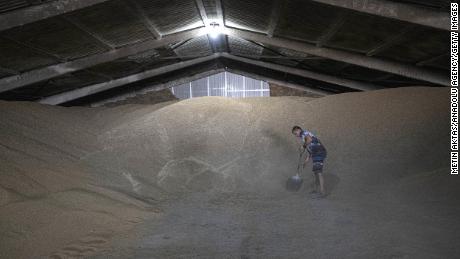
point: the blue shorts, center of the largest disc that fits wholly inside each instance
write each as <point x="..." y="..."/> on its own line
<point x="318" y="155"/>
<point x="318" y="166"/>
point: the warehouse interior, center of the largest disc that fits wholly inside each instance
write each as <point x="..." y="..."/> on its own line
<point x="162" y="129"/>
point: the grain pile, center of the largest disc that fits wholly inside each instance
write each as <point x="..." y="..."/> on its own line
<point x="205" y="178"/>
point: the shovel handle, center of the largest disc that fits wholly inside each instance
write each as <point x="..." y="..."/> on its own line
<point x="300" y="160"/>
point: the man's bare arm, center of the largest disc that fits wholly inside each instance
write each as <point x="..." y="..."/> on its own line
<point x="308" y="140"/>
<point x="307" y="158"/>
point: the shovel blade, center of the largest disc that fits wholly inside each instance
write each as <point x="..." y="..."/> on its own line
<point x="294" y="183"/>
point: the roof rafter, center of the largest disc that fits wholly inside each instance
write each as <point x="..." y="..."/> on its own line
<point x="307" y="74"/>
<point x="431" y="60"/>
<point x="37" y="75"/>
<point x="393" y="67"/>
<point x="42" y="11"/>
<point x="280" y="83"/>
<point x="255" y="57"/>
<point x="275" y="16"/>
<point x="158" y="87"/>
<point x="202" y="11"/>
<point x="201" y="75"/>
<point x="92" y="89"/>
<point x="220" y="16"/>
<point x="205" y="20"/>
<point x="399" y="11"/>
<point x="220" y="13"/>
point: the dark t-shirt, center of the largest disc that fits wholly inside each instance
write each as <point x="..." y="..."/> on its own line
<point x="315" y="148"/>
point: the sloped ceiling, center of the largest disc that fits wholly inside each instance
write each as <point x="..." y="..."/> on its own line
<point x="111" y="25"/>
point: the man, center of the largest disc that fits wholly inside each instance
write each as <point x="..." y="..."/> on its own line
<point x="316" y="152"/>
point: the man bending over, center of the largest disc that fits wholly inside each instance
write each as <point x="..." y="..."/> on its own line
<point x="316" y="152"/>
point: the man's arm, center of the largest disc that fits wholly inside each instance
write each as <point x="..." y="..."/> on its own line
<point x="307" y="158"/>
<point x="308" y="140"/>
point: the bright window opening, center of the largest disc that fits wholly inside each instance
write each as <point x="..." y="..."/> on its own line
<point x="223" y="84"/>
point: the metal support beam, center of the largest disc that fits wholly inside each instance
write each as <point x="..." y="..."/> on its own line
<point x="157" y="87"/>
<point x="275" y="17"/>
<point x="394" y="10"/>
<point x="206" y="22"/>
<point x="307" y="74"/>
<point x="220" y="13"/>
<point x="280" y="83"/>
<point x="202" y="11"/>
<point x="227" y="45"/>
<point x="92" y="89"/>
<point x="345" y="56"/>
<point x="431" y="60"/>
<point x="221" y="20"/>
<point x="332" y="30"/>
<point x="12" y="82"/>
<point x="42" y="11"/>
<point x="389" y="42"/>
<point x="254" y="57"/>
<point x="211" y="44"/>
<point x="300" y="63"/>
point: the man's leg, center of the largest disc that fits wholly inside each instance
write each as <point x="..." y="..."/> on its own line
<point x="318" y="171"/>
<point x="316" y="188"/>
<point x="319" y="175"/>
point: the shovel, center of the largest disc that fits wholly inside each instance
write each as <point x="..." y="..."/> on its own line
<point x="295" y="182"/>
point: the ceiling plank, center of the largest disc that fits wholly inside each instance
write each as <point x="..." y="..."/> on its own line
<point x="388" y="66"/>
<point x="39" y="12"/>
<point x="37" y="75"/>
<point x="92" y="89"/>
<point x="399" y="11"/>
